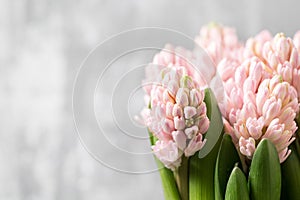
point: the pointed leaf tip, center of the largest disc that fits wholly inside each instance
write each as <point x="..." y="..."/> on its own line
<point x="265" y="174"/>
<point x="237" y="186"/>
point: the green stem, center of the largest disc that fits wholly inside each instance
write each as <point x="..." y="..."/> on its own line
<point x="297" y="143"/>
<point x="168" y="182"/>
<point x="243" y="159"/>
<point x="182" y="178"/>
<point x="167" y="177"/>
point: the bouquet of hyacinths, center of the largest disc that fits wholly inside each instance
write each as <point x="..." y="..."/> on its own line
<point x="251" y="133"/>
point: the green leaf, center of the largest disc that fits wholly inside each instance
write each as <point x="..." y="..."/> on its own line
<point x="227" y="158"/>
<point x="216" y="123"/>
<point x="265" y="173"/>
<point x="201" y="175"/>
<point x="290" y="172"/>
<point x="202" y="166"/>
<point x="167" y="177"/>
<point x="237" y="186"/>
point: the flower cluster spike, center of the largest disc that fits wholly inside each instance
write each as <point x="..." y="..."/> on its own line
<point x="177" y="116"/>
<point x="262" y="86"/>
<point x="269" y="113"/>
<point x="219" y="42"/>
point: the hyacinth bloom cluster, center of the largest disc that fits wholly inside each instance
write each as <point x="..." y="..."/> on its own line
<point x="172" y="56"/>
<point x="267" y="113"/>
<point x="220" y="42"/>
<point x="177" y="117"/>
<point x="262" y="87"/>
<point x="280" y="56"/>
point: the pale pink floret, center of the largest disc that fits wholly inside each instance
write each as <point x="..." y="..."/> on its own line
<point x="247" y="146"/>
<point x="177" y="117"/>
<point x="255" y="126"/>
<point x="194" y="145"/>
<point x="254" y="45"/>
<point x="180" y="139"/>
<point x="168" y="153"/>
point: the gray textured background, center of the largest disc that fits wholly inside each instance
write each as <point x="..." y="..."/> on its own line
<point x="42" y="44"/>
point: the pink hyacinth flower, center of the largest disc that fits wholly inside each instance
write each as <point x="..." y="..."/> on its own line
<point x="261" y="86"/>
<point x="268" y="111"/>
<point x="220" y="42"/>
<point x="261" y="101"/>
<point x="280" y="55"/>
<point x="177" y="117"/>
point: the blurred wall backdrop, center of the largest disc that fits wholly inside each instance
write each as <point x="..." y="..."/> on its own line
<point x="42" y="44"/>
